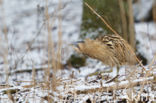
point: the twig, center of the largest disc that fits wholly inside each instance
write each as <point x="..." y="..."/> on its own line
<point x="118" y="87"/>
<point x="101" y="19"/>
<point x="25" y="70"/>
<point x="104" y="21"/>
<point x="112" y="79"/>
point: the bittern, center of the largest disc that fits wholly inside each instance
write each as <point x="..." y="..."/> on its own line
<point x="112" y="50"/>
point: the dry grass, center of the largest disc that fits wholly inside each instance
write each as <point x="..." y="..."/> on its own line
<point x="54" y="58"/>
<point x="5" y="51"/>
<point x="123" y="20"/>
<point x="131" y="84"/>
<point x="154" y="12"/>
<point x="131" y="24"/>
<point x="51" y="81"/>
<point x="111" y="29"/>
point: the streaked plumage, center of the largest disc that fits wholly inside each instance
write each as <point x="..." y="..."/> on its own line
<point x="112" y="50"/>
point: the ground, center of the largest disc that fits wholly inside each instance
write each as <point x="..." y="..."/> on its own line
<point x="23" y="77"/>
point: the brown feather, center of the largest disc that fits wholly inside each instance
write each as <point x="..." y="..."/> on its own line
<point x="112" y="50"/>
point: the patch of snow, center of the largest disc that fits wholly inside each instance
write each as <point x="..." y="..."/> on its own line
<point x="145" y="34"/>
<point x="142" y="8"/>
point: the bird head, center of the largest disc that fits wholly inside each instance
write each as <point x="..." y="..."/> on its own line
<point x="78" y="45"/>
<point x="87" y="46"/>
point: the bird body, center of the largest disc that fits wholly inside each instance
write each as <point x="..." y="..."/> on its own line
<point x="112" y="50"/>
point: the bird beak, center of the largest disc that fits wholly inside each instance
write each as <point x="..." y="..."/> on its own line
<point x="76" y="43"/>
<point x="76" y="46"/>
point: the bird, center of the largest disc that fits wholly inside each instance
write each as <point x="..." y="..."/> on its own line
<point x="112" y="50"/>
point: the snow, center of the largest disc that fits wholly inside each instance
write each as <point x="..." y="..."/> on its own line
<point x="27" y="47"/>
<point x="142" y="8"/>
<point x="25" y="24"/>
<point x="145" y="34"/>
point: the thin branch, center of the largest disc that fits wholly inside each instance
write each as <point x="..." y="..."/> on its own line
<point x="101" y="19"/>
<point x="104" y="21"/>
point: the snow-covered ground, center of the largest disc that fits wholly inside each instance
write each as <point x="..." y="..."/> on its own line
<point x="26" y="48"/>
<point x="27" y="37"/>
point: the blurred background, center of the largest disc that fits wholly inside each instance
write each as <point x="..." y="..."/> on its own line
<point x="35" y="35"/>
<point x="31" y="32"/>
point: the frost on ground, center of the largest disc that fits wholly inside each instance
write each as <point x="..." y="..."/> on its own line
<point x="23" y="79"/>
<point x="78" y="86"/>
<point x="26" y="43"/>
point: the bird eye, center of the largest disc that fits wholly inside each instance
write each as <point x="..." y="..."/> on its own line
<point x="109" y="44"/>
